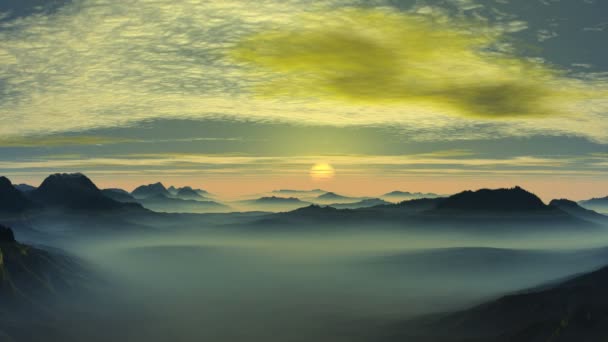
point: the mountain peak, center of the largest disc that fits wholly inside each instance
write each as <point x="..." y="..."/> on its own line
<point x="75" y="181"/>
<point x="6" y="234"/>
<point x="11" y="199"/>
<point x="72" y="191"/>
<point x="513" y="199"/>
<point x="331" y="195"/>
<point x="150" y="190"/>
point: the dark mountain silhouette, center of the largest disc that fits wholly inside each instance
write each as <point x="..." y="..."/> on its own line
<point x="500" y="200"/>
<point x="570" y="310"/>
<point x="6" y="235"/>
<point x="574" y="209"/>
<point x="366" y="203"/>
<point x="30" y="281"/>
<point x="150" y="190"/>
<point x="76" y="192"/>
<point x="420" y="205"/>
<point x="486" y="210"/>
<point x="188" y="193"/>
<point x="27" y="272"/>
<point x="25" y="187"/>
<point x="11" y="199"/>
<point x="119" y="195"/>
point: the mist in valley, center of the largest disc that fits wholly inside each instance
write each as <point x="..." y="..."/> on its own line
<point x="206" y="281"/>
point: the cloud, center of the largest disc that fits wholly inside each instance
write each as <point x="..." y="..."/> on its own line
<point x="50" y="141"/>
<point x="112" y="63"/>
<point x="385" y="57"/>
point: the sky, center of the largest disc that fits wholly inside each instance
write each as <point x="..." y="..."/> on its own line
<point x="237" y="96"/>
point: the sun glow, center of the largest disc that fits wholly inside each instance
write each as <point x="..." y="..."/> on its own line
<point x="322" y="171"/>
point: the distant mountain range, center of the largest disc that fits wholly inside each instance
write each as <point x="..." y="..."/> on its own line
<point x="154" y="189"/>
<point x="512" y="208"/>
<point x="119" y="195"/>
<point x="598" y="204"/>
<point x="173" y="200"/>
<point x="291" y="192"/>
<point x="405" y="195"/>
<point x="164" y="203"/>
<point x="175" y="191"/>
<point x="366" y="203"/>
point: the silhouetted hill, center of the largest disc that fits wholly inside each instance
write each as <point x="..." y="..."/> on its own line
<point x="499" y="200"/>
<point x="277" y="200"/>
<point x="574" y="209"/>
<point x="11" y="199"/>
<point x="404" y="195"/>
<point x="150" y="190"/>
<point x="119" y="195"/>
<point x="291" y="192"/>
<point x="332" y="196"/>
<point x="31" y="279"/>
<point x="163" y="203"/>
<point x="76" y="192"/>
<point x="27" y="272"/>
<point x="502" y="210"/>
<point x="572" y="310"/>
<point x="24" y="187"/>
<point x="188" y="193"/>
<point x="174" y="191"/>
<point x="366" y="203"/>
<point x="6" y="235"/>
<point x="599" y="204"/>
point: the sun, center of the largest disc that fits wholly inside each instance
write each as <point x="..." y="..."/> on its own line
<point x="322" y="171"/>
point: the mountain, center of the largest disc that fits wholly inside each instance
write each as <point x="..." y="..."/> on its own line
<point x="332" y="196"/>
<point x="119" y="195"/>
<point x="24" y="187"/>
<point x="598" y="204"/>
<point x="277" y="200"/>
<point x="574" y="209"/>
<point x="292" y="192"/>
<point x="570" y="310"/>
<point x="272" y="203"/>
<point x="31" y="281"/>
<point x="27" y="272"/>
<point x="499" y="200"/>
<point x="164" y="203"/>
<point x="366" y="203"/>
<point x="174" y="191"/>
<point x="188" y="193"/>
<point x="500" y="210"/>
<point x="75" y="192"/>
<point x="405" y="195"/>
<point x="11" y="199"/>
<point x="144" y="191"/>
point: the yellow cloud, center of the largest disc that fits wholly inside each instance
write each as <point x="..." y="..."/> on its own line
<point x="35" y="141"/>
<point x="379" y="56"/>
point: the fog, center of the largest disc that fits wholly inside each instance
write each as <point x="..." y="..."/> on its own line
<point x="208" y="282"/>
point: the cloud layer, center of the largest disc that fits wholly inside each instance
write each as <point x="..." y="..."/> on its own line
<point x="106" y="63"/>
